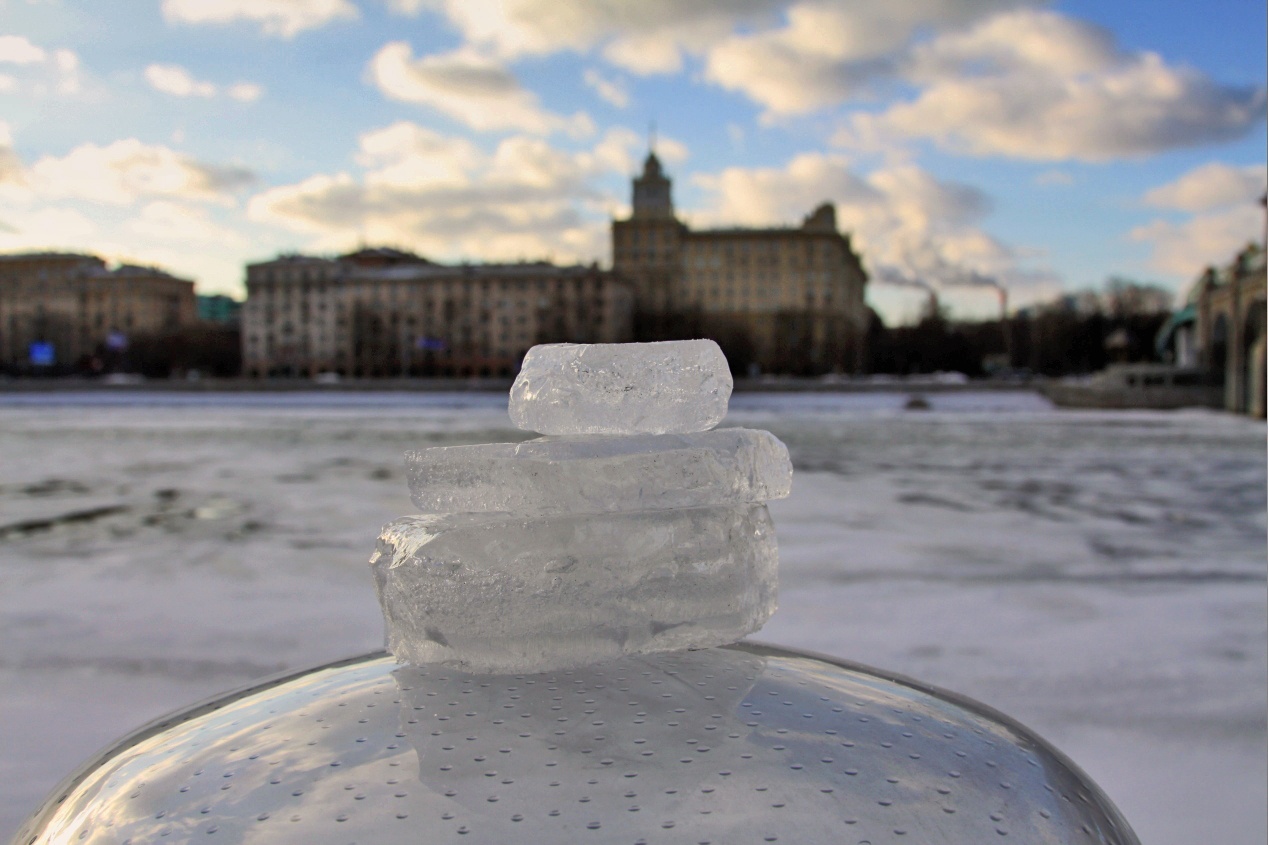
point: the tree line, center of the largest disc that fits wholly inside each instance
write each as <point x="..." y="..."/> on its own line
<point x="1073" y="334"/>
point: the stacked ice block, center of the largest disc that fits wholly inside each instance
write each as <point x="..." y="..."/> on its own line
<point x="631" y="527"/>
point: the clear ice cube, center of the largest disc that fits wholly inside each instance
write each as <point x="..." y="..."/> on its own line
<point x="506" y="594"/>
<point x="596" y="474"/>
<point x="679" y="386"/>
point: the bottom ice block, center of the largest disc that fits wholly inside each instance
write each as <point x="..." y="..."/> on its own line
<point x="500" y="594"/>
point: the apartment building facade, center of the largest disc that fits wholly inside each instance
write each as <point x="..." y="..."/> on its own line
<point x="59" y="311"/>
<point x="387" y="312"/>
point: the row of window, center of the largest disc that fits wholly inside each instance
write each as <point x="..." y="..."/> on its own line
<point x="764" y="278"/>
<point x="267" y="283"/>
<point x="262" y="346"/>
<point x="271" y="313"/>
<point x="423" y="300"/>
<point x="718" y="254"/>
<point x="433" y="323"/>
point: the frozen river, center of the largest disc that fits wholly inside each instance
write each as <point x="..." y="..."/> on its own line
<point x="1099" y="576"/>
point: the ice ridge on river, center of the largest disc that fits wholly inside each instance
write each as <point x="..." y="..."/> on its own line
<point x="629" y="528"/>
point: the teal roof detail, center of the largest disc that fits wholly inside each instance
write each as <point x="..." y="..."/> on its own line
<point x="1186" y="315"/>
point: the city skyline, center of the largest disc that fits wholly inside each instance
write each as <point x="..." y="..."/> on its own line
<point x="1038" y="146"/>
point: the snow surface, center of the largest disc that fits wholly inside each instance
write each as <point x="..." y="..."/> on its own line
<point x="1098" y="576"/>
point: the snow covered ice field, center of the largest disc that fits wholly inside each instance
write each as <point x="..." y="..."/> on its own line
<point x="1099" y="576"/>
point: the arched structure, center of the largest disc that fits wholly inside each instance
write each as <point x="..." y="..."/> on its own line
<point x="1231" y="329"/>
<point x="1252" y="398"/>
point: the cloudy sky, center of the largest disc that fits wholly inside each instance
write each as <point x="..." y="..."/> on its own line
<point x="1041" y="146"/>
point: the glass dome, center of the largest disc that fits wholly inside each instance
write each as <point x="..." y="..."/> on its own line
<point x="744" y="743"/>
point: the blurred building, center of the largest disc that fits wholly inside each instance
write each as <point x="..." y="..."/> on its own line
<point x="787" y="299"/>
<point x="384" y="312"/>
<point x="220" y="309"/>
<point x="1230" y="338"/>
<point x="61" y="311"/>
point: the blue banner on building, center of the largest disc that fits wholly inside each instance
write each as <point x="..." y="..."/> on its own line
<point x="43" y="354"/>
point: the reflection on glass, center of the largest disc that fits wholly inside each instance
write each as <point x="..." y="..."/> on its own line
<point x="738" y="744"/>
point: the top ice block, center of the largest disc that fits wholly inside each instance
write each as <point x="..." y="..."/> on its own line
<point x="672" y="387"/>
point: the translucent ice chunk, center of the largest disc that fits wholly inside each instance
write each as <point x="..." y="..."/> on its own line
<point x="595" y="474"/>
<point x="496" y="594"/>
<point x="676" y="386"/>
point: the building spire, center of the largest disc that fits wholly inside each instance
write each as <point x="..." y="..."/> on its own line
<point x="652" y="188"/>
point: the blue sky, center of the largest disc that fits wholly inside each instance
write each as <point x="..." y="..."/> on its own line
<point x="966" y="143"/>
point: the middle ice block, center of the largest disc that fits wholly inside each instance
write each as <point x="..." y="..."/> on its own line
<point x="599" y="474"/>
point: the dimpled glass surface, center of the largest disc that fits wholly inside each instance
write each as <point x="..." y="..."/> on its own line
<point x="671" y="387"/>
<point x="728" y="746"/>
<point x="595" y="474"/>
<point x="506" y="593"/>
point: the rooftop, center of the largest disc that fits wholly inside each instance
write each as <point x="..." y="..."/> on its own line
<point x="49" y="256"/>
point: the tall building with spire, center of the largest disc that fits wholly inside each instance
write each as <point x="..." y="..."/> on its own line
<point x="647" y="249"/>
<point x="779" y="299"/>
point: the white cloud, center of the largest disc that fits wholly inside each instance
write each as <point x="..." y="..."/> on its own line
<point x="644" y="36"/>
<point x="1037" y="85"/>
<point x="788" y="55"/>
<point x="181" y="223"/>
<point x="47" y="228"/>
<point x="244" y="92"/>
<point x="35" y="70"/>
<point x="1211" y="186"/>
<point x="449" y="199"/>
<point x="992" y="77"/>
<point x="10" y="164"/>
<point x="622" y="150"/>
<point x="770" y="195"/>
<point x="121" y="173"/>
<point x="170" y="235"/>
<point x="609" y="90"/>
<point x="408" y="155"/>
<point x="903" y="200"/>
<point x="131" y="201"/>
<point x="1222" y="214"/>
<point x="67" y="64"/>
<point x="616" y="151"/>
<point x="284" y="18"/>
<point x="177" y="81"/>
<point x="1053" y="177"/>
<point x="471" y="88"/>
<point x="14" y="49"/>
<point x="670" y="150"/>
<point x="658" y="51"/>
<point x="911" y="228"/>
<point x="1185" y="248"/>
<point x="828" y="51"/>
